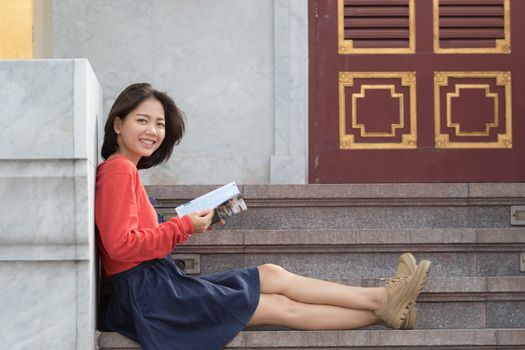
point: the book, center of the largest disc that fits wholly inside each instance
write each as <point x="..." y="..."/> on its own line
<point x="226" y="200"/>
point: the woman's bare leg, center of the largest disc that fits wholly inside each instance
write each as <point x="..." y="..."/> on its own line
<point x="276" y="309"/>
<point x="276" y="280"/>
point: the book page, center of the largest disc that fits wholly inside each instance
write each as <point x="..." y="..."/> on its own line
<point x="210" y="200"/>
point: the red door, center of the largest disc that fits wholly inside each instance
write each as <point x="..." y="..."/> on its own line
<point x="416" y="91"/>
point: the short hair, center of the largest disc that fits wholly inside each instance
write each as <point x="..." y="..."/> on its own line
<point x="127" y="101"/>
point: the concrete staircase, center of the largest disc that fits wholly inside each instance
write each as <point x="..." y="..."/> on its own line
<point x="353" y="234"/>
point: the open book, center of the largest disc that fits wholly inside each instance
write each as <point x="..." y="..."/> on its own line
<point x="226" y="200"/>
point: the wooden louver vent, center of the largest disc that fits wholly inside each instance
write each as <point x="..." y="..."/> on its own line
<point x="473" y="24"/>
<point x="377" y="23"/>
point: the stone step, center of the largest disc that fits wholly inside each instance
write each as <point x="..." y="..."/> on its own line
<point x="363" y="253"/>
<point x="356" y="339"/>
<point x="357" y="194"/>
<point x="353" y="234"/>
<point x="335" y="240"/>
<point x="475" y="302"/>
<point x="358" y="206"/>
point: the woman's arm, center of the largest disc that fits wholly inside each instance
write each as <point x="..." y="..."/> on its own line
<point x="117" y="218"/>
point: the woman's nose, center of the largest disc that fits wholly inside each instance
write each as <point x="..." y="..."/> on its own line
<point x="152" y="129"/>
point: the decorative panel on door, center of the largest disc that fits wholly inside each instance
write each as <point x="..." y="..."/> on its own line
<point x="416" y="91"/>
<point x="458" y="125"/>
<point x="377" y="110"/>
<point x="372" y="26"/>
<point x="471" y="26"/>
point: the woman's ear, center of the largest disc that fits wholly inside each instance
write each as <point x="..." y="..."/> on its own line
<point x="117" y="123"/>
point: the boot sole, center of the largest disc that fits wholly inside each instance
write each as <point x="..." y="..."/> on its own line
<point x="410" y="321"/>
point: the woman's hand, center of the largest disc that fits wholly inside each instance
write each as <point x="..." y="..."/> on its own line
<point x="201" y="219"/>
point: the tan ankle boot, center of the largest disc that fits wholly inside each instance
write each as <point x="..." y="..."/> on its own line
<point x="402" y="293"/>
<point x="406" y="266"/>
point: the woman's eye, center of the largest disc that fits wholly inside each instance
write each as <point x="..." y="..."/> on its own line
<point x="141" y="120"/>
<point x="161" y="125"/>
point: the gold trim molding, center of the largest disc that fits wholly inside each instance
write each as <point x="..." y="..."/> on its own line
<point x="443" y="140"/>
<point x="16" y="29"/>
<point x="457" y="94"/>
<point x="362" y="127"/>
<point x="346" y="46"/>
<point x="347" y="141"/>
<point x="503" y="46"/>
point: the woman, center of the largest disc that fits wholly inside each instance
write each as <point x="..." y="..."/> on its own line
<point x="158" y="305"/>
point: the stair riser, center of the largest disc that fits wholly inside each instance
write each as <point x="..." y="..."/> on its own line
<point x="434" y="347"/>
<point x="393" y="217"/>
<point x="339" y="266"/>
<point x="367" y="339"/>
<point x="471" y="315"/>
<point x="462" y="315"/>
<point x="519" y="347"/>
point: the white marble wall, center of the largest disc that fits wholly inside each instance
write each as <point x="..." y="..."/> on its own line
<point x="48" y="159"/>
<point x="238" y="68"/>
<point x="289" y="161"/>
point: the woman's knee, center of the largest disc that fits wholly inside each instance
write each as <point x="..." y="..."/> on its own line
<point x="274" y="279"/>
<point x="272" y="270"/>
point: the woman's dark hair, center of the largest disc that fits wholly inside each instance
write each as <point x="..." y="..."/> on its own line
<point x="127" y="101"/>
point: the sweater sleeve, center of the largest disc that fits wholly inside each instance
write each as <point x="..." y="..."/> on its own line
<point x="116" y="215"/>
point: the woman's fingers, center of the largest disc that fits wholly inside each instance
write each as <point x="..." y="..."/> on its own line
<point x="204" y="212"/>
<point x="210" y="215"/>
<point x="202" y="219"/>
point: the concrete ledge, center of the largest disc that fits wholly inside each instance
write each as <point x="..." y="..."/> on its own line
<point x="444" y="193"/>
<point x="364" y="206"/>
<point x="356" y="240"/>
<point x="369" y="339"/>
<point x="360" y="236"/>
<point x="44" y="252"/>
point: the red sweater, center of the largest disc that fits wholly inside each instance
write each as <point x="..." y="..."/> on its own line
<point x="128" y="229"/>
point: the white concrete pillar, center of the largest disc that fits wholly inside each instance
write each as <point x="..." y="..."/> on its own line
<point x="48" y="157"/>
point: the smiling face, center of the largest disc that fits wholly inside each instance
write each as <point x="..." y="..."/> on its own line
<point x="141" y="132"/>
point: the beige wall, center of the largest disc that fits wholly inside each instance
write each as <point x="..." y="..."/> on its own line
<point x="241" y="79"/>
<point x="25" y="29"/>
<point x="42" y="29"/>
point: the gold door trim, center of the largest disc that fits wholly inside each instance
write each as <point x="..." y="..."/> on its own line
<point x="393" y="127"/>
<point x="504" y="140"/>
<point x="503" y="46"/>
<point x="347" y="141"/>
<point x="457" y="93"/>
<point x="346" y="46"/>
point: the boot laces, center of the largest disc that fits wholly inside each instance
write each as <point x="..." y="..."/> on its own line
<point x="396" y="281"/>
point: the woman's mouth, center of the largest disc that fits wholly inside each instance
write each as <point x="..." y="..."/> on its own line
<point x="147" y="142"/>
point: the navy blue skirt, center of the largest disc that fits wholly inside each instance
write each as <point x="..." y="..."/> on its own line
<point x="160" y="307"/>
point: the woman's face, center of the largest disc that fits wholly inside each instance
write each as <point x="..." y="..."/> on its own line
<point x="142" y="130"/>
